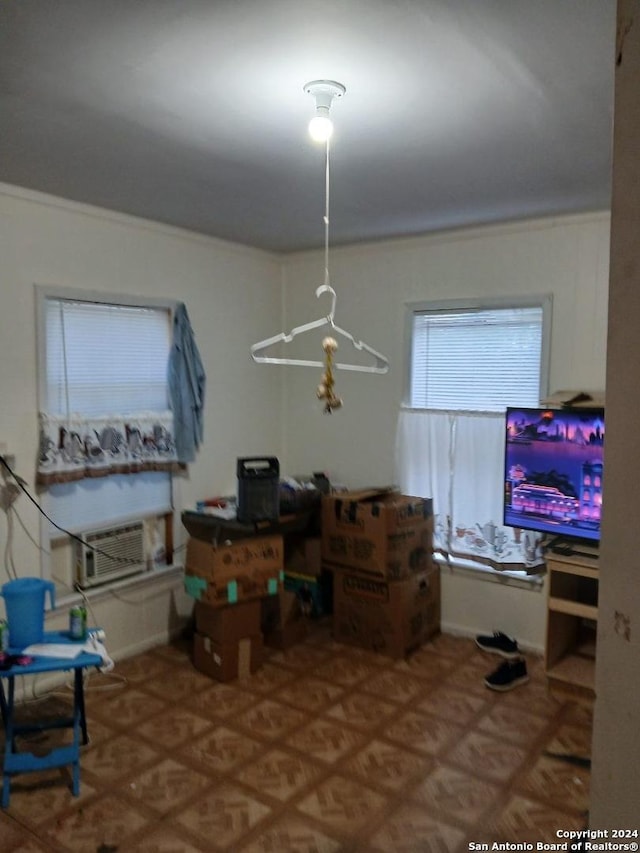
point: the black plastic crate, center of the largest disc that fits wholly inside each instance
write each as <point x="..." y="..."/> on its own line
<point x="258" y="489"/>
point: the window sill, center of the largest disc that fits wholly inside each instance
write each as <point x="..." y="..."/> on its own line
<point x="458" y="565"/>
<point x="93" y="594"/>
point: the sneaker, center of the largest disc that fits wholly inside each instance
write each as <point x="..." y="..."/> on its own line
<point x="499" y="644"/>
<point x="508" y="675"/>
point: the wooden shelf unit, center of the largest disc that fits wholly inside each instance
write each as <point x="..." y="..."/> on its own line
<point x="572" y="618"/>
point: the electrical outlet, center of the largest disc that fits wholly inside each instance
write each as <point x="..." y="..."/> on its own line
<point x="9" y="458"/>
<point x="9" y="492"/>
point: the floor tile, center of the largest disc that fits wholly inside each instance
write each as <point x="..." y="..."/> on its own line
<point x="512" y="724"/>
<point x="279" y="774"/>
<point x="111" y="759"/>
<point x="223" y="816"/>
<point x="346" y="670"/>
<point x="411" y="830"/>
<point x="220" y="701"/>
<point x="394" y="685"/>
<point x="570" y="740"/>
<point x="166" y="784"/>
<point x="310" y="694"/>
<point x="326" y="740"/>
<point x="488" y="757"/>
<point x="342" y="804"/>
<point x="387" y="765"/>
<point x="422" y="732"/>
<point x="270" y="719"/>
<point x="165" y="840"/>
<point x="127" y="709"/>
<point x="292" y="834"/>
<point x="173" y="727"/>
<point x="528" y="820"/>
<point x="361" y="711"/>
<point x="37" y="797"/>
<point x="449" y="791"/>
<point x="221" y="749"/>
<point x="103" y="823"/>
<point x="556" y="781"/>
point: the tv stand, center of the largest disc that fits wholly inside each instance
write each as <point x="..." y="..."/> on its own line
<point x="572" y="618"/>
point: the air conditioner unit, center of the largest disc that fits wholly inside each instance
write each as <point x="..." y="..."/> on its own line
<point x="108" y="554"/>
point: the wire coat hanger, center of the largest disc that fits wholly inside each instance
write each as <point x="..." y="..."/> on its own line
<point x="380" y="365"/>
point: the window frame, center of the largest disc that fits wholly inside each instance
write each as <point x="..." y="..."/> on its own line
<point x="543" y="301"/>
<point x="42" y="294"/>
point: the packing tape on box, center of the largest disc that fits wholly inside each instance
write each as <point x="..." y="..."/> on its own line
<point x="194" y="586"/>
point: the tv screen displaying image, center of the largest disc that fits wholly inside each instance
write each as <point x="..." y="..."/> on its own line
<point x="554" y="465"/>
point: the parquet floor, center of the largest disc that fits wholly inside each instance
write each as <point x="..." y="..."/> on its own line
<point x="326" y="748"/>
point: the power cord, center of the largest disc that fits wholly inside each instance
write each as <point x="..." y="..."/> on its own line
<point x="19" y="485"/>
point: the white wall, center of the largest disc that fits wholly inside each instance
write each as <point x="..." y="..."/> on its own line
<point x="233" y="296"/>
<point x="615" y="781"/>
<point x="567" y="257"/>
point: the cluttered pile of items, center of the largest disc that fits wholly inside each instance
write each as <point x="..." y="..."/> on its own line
<point x="287" y="552"/>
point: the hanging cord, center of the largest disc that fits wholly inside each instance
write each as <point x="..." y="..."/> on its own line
<point x="65" y="365"/>
<point x="21" y="484"/>
<point x="9" y="565"/>
<point x="326" y="220"/>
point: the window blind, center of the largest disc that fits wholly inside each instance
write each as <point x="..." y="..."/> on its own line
<point x="103" y="358"/>
<point x="100" y="358"/>
<point x="476" y="360"/>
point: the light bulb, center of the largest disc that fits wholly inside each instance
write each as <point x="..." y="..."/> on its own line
<point x="321" y="126"/>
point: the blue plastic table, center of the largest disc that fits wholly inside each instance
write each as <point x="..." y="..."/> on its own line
<point x="24" y="762"/>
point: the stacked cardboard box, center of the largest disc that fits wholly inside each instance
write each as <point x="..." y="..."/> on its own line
<point x="284" y="623"/>
<point x="229" y="582"/>
<point x="386" y="587"/>
<point x="228" y="643"/>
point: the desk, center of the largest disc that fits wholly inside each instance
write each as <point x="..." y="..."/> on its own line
<point x="24" y="762"/>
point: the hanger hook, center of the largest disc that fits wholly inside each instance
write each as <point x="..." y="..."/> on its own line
<point x="326" y="288"/>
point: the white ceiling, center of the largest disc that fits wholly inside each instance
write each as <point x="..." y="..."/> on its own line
<point x="192" y="112"/>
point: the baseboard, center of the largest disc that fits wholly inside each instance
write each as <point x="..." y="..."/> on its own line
<point x="466" y="632"/>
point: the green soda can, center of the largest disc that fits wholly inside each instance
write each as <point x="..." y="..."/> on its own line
<point x="78" y="622"/>
<point x="4" y="635"/>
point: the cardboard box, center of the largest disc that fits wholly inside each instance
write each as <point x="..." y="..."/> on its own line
<point x="382" y="533"/>
<point x="228" y="624"/>
<point x="303" y="554"/>
<point x="236" y="571"/>
<point x="389" y="617"/>
<point x="258" y="584"/>
<point x="283" y="623"/>
<point x="220" y="562"/>
<point x="285" y="637"/>
<point x="228" y="661"/>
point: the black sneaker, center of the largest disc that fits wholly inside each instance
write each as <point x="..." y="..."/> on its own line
<point x="508" y="675"/>
<point x="499" y="644"/>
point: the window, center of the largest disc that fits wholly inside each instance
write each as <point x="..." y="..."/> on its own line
<point x="465" y="363"/>
<point x="105" y="426"/>
<point x="477" y="357"/>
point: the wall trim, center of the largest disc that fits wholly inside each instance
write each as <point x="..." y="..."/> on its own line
<point x="131" y="221"/>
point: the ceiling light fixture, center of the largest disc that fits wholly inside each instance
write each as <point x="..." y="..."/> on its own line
<point x="324" y="91"/>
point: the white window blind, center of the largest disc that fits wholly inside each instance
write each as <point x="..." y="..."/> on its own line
<point x="103" y="358"/>
<point x="476" y="359"/>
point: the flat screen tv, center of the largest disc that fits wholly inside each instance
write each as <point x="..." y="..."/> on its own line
<point x="553" y="471"/>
